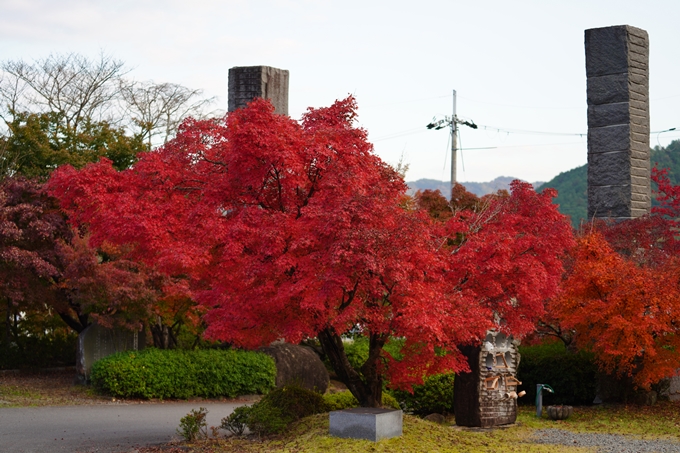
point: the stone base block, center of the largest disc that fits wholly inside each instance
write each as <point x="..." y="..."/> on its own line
<point x="366" y="423"/>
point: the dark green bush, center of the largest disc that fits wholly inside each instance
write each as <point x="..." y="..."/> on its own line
<point x="276" y="410"/>
<point x="155" y="373"/>
<point x="266" y="419"/>
<point x="435" y="395"/>
<point x="39" y="352"/>
<point x="345" y="400"/>
<point x="573" y="376"/>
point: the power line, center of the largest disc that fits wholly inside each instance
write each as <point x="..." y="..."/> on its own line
<point x="530" y="132"/>
<point x="496" y="129"/>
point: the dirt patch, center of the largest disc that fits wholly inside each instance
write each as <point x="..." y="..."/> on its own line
<point x="45" y="388"/>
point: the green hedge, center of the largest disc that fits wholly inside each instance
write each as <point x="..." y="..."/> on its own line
<point x="435" y="395"/>
<point x="573" y="376"/>
<point x="155" y="373"/>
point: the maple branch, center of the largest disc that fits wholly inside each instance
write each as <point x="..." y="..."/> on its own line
<point x="280" y="189"/>
<point x="210" y="161"/>
<point x="350" y="297"/>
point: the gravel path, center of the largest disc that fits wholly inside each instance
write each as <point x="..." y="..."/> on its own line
<point x="605" y="443"/>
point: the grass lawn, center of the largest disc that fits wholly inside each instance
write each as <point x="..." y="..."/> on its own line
<point x="311" y="434"/>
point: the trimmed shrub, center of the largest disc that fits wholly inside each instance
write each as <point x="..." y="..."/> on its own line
<point x="435" y="395"/>
<point x="275" y="411"/>
<point x="155" y="373"/>
<point x="345" y="400"/>
<point x="573" y="376"/>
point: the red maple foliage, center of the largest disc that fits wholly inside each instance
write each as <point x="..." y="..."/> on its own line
<point x="297" y="230"/>
<point x="47" y="267"/>
<point x="623" y="307"/>
<point x="621" y="292"/>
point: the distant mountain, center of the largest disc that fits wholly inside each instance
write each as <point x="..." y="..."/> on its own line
<point x="572" y="185"/>
<point x="477" y="188"/>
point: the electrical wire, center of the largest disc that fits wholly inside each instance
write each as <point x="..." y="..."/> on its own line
<point x="529" y="132"/>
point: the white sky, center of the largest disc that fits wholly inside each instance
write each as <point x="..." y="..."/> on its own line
<point x="515" y="65"/>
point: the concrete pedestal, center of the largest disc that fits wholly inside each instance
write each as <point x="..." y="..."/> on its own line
<point x="366" y="423"/>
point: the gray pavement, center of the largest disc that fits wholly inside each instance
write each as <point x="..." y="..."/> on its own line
<point x="105" y="428"/>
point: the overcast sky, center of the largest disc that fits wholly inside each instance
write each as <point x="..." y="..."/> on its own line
<point x="517" y="66"/>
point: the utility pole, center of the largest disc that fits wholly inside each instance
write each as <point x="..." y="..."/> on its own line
<point x="454" y="144"/>
<point x="453" y="123"/>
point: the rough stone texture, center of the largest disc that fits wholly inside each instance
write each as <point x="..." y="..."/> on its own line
<point x="249" y="82"/>
<point x="617" y="68"/>
<point x="559" y="412"/>
<point x="646" y="398"/>
<point x="435" y="418"/>
<point x="298" y="365"/>
<point x="674" y="388"/>
<point x="600" y="115"/>
<point x="97" y="342"/>
<point x="366" y="423"/>
<point x="477" y="405"/>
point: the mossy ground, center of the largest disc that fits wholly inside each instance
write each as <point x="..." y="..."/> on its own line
<point x="311" y="434"/>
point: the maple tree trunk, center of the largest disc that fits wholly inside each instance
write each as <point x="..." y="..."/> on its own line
<point x="7" y="322"/>
<point x="365" y="386"/>
<point x="163" y="336"/>
<point x="78" y="325"/>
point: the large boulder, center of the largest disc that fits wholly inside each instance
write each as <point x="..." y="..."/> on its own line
<point x="298" y="365"/>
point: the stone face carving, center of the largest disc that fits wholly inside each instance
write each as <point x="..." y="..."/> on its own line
<point x="298" y="365"/>
<point x="249" y="82"/>
<point x="97" y="342"/>
<point x="487" y="396"/>
<point x="617" y="68"/>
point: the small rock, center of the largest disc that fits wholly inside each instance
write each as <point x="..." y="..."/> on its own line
<point x="435" y="418"/>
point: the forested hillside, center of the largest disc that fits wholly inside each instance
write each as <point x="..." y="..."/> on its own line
<point x="572" y="185"/>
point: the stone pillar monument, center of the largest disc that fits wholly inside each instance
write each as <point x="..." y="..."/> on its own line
<point x="249" y="82"/>
<point x="617" y="68"/>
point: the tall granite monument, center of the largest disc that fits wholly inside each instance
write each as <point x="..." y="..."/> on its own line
<point x="249" y="82"/>
<point x="617" y="70"/>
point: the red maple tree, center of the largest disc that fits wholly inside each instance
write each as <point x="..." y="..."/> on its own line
<point x="625" y="308"/>
<point x="621" y="292"/>
<point x="47" y="267"/>
<point x="297" y="230"/>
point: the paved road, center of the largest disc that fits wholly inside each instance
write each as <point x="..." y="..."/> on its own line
<point x="99" y="428"/>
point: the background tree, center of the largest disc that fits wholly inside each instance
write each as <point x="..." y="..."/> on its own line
<point x="297" y="230"/>
<point x="158" y="109"/>
<point x="620" y="294"/>
<point x="47" y="268"/>
<point x="71" y="109"/>
<point x="624" y="308"/>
